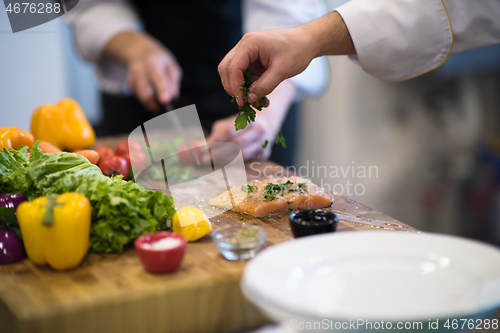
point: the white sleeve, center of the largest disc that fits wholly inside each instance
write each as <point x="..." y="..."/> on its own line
<point x="475" y="23"/>
<point x="400" y="39"/>
<point x="95" y="22"/>
<point x="275" y="14"/>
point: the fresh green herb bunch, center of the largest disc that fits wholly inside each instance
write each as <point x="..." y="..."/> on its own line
<point x="248" y="113"/>
<point x="272" y="190"/>
<point x="249" y="188"/>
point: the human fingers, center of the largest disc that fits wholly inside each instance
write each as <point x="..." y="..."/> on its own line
<point x="244" y="54"/>
<point x="224" y="77"/>
<point x="159" y="78"/>
<point x="266" y="83"/>
<point x="222" y="130"/>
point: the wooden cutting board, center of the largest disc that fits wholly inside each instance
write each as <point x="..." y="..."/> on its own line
<point x="113" y="293"/>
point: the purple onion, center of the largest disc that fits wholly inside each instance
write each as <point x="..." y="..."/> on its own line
<point x="12" y="200"/>
<point x="11" y="247"/>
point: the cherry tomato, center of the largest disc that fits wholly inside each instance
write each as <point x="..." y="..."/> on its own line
<point x="104" y="153"/>
<point x="125" y="147"/>
<point x="114" y="165"/>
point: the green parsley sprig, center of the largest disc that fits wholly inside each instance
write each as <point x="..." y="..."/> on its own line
<point x="272" y="190"/>
<point x="247" y="113"/>
<point x="249" y="188"/>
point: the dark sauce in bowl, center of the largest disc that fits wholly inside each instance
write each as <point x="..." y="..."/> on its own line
<point x="312" y="221"/>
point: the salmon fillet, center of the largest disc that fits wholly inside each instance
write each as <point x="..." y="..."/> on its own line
<point x="273" y="196"/>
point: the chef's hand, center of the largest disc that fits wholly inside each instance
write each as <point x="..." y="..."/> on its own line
<point x="275" y="55"/>
<point x="266" y="126"/>
<point x="153" y="72"/>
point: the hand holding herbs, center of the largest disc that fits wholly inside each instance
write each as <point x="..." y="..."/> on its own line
<point x="248" y="113"/>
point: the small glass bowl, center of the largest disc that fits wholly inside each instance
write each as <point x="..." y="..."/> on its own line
<point x="243" y="249"/>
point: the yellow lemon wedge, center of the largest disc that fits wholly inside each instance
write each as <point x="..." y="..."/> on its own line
<point x="191" y="223"/>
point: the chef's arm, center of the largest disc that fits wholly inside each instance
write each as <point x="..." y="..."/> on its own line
<point x="108" y="33"/>
<point x="95" y="22"/>
<point x="396" y="40"/>
<point x="261" y="15"/>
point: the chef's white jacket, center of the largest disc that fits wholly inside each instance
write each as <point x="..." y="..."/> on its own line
<point x="400" y="39"/>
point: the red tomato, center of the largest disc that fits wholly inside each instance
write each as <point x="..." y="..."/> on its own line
<point x="104" y="153"/>
<point x="139" y="158"/>
<point x="114" y="165"/>
<point x="125" y="147"/>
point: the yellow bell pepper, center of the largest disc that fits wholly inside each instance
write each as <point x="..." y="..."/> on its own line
<point x="191" y="223"/>
<point x="64" y="125"/>
<point x="56" y="230"/>
<point x="12" y="137"/>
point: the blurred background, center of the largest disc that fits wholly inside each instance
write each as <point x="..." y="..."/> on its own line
<point x="434" y="139"/>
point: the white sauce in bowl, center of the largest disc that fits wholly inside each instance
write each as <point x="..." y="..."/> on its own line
<point x="166" y="243"/>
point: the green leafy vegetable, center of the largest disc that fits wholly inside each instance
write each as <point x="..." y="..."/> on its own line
<point x="280" y="139"/>
<point x="121" y="210"/>
<point x="248" y="113"/>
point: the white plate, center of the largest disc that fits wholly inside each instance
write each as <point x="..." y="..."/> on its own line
<point x="374" y="276"/>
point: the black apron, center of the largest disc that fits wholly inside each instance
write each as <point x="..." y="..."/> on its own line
<point x="199" y="33"/>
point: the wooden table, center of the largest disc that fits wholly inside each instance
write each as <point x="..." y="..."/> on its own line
<point x="113" y="293"/>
